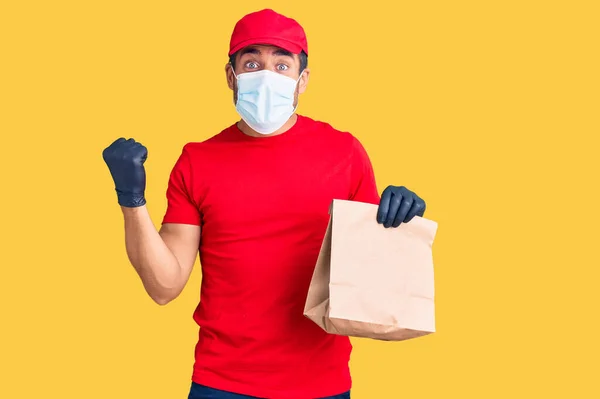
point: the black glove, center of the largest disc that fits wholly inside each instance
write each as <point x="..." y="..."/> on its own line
<point x="398" y="205"/>
<point x="125" y="160"/>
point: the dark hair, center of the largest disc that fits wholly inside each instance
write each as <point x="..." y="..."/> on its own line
<point x="303" y="60"/>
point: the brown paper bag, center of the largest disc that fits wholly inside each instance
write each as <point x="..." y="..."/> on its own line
<point x="373" y="282"/>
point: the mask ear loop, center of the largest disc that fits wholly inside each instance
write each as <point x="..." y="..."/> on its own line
<point x="297" y="81"/>
<point x="236" y="79"/>
<point x="233" y="71"/>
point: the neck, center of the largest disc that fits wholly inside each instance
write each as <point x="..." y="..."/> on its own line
<point x="243" y="126"/>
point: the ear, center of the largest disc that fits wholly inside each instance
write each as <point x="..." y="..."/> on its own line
<point x="303" y="82"/>
<point x="229" y="75"/>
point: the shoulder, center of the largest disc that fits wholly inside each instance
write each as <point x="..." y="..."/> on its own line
<point x="194" y="148"/>
<point x="343" y="142"/>
<point x="329" y="132"/>
<point x="197" y="155"/>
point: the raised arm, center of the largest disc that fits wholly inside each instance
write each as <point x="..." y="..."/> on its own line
<point x="163" y="259"/>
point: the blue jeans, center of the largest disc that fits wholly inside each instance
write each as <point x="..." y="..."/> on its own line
<point x="198" y="391"/>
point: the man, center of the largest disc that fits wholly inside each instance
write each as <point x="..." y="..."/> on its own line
<point x="253" y="200"/>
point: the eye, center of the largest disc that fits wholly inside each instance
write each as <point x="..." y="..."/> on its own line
<point x="251" y="65"/>
<point x="282" y="67"/>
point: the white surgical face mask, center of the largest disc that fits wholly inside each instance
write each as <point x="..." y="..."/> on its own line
<point x="265" y="99"/>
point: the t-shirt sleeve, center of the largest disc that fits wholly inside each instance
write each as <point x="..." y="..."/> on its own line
<point x="364" y="185"/>
<point x="181" y="207"/>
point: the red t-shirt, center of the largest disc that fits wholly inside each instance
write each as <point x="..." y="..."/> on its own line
<point x="263" y="207"/>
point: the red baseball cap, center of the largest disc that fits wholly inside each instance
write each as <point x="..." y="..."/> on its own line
<point x="268" y="27"/>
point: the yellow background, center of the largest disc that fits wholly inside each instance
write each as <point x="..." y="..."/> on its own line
<point x="488" y="109"/>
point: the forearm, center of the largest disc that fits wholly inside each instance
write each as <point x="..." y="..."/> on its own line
<point x="154" y="262"/>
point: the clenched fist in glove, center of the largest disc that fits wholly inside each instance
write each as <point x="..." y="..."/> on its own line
<point x="125" y="160"/>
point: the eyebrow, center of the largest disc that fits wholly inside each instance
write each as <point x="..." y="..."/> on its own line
<point x="253" y="50"/>
<point x="283" y="52"/>
<point x="249" y="50"/>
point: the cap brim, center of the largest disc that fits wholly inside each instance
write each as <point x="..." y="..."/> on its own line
<point x="267" y="41"/>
